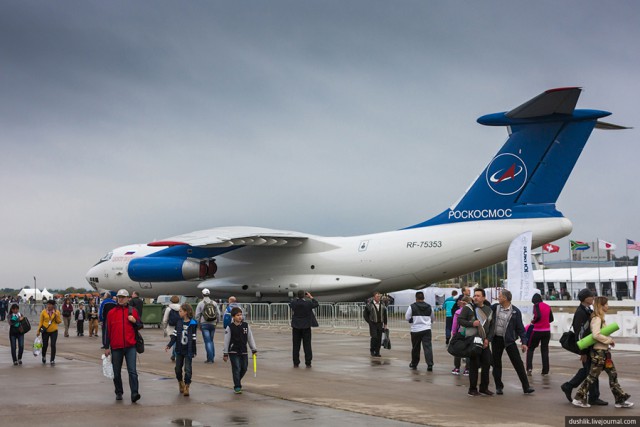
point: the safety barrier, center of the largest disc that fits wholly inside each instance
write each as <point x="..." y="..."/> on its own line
<point x="348" y="315"/>
<point x="342" y="315"/>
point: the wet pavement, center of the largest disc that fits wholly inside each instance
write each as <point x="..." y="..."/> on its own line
<point x="344" y="387"/>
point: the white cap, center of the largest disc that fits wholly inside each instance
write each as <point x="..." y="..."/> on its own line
<point x="205" y="291"/>
<point x="123" y="293"/>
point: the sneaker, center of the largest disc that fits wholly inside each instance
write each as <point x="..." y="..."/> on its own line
<point x="53" y="363"/>
<point x="412" y="366"/>
<point x="44" y="361"/>
<point x="135" y="397"/>
<point x="20" y="362"/>
<point x="118" y="396"/>
<point x="580" y="403"/>
<point x="466" y="373"/>
<point x="237" y="390"/>
<point x="486" y="392"/>
<point x="430" y="368"/>
<point x="529" y="372"/>
<point x="455" y="371"/>
<point x="625" y="404"/>
<point x="473" y="393"/>
<point x="15" y="363"/>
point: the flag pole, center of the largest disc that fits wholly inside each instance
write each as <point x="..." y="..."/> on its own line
<point x="599" y="282"/>
<point x="544" y="281"/>
<point x="626" y="252"/>
<point x="570" y="260"/>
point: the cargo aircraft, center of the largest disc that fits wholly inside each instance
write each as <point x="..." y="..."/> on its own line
<point x="516" y="192"/>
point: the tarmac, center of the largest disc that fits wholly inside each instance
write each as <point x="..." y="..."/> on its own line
<point x="345" y="386"/>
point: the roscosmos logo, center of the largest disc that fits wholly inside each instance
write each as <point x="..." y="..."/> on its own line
<point x="506" y="174"/>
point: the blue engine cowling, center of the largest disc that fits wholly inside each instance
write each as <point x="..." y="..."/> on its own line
<point x="163" y="269"/>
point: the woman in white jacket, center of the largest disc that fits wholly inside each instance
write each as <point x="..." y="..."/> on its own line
<point x="170" y="319"/>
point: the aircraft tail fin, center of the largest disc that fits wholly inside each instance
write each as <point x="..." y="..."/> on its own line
<point x="525" y="178"/>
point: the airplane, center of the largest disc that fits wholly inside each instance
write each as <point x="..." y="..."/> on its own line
<point x="516" y="192"/>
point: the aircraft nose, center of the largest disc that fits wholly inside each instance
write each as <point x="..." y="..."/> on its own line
<point x="92" y="278"/>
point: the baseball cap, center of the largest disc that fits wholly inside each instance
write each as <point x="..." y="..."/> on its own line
<point x="123" y="293"/>
<point x="205" y="291"/>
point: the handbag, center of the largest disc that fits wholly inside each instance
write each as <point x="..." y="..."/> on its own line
<point x="24" y="326"/>
<point x="461" y="346"/>
<point x="139" y="342"/>
<point x="139" y="338"/>
<point x="569" y="343"/>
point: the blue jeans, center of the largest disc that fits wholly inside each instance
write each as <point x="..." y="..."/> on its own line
<point x="183" y="360"/>
<point x="208" y="331"/>
<point x="117" y="356"/>
<point x="19" y="339"/>
<point x="239" y="363"/>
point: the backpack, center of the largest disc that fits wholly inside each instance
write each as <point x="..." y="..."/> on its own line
<point x="209" y="312"/>
<point x="174" y="316"/>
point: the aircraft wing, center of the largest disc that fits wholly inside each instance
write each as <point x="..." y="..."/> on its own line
<point x="224" y="237"/>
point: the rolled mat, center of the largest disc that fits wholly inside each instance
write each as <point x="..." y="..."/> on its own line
<point x="588" y="341"/>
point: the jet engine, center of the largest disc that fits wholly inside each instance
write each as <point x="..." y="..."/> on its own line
<point x="163" y="269"/>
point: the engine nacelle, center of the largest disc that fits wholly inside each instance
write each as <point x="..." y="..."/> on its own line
<point x="163" y="269"/>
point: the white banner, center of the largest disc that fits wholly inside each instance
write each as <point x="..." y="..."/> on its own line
<point x="519" y="270"/>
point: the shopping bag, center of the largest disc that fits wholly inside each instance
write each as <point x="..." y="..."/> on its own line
<point x="107" y="367"/>
<point x="386" y="341"/>
<point x="37" y="346"/>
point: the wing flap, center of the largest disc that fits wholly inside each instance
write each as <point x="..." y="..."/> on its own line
<point x="225" y="237"/>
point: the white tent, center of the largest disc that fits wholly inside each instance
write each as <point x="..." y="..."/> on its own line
<point x="27" y="293"/>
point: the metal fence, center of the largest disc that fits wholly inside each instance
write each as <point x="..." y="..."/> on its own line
<point x="341" y="315"/>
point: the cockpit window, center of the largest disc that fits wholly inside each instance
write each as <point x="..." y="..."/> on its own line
<point x="107" y="257"/>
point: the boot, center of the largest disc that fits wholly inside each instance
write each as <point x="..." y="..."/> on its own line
<point x="181" y="386"/>
<point x="186" y="389"/>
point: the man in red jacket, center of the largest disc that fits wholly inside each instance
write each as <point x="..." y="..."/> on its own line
<point x="121" y="343"/>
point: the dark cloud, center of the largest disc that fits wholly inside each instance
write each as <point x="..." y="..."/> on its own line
<point x="125" y="122"/>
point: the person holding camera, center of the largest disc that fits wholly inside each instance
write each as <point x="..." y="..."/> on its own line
<point x="302" y="319"/>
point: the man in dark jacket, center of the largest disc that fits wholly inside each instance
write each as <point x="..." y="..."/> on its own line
<point x="137" y="302"/>
<point x="582" y="327"/>
<point x="375" y="314"/>
<point x="478" y="321"/>
<point x="302" y="319"/>
<point x="121" y="343"/>
<point x="507" y="328"/>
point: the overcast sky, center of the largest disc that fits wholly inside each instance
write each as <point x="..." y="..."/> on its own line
<point x="125" y="122"/>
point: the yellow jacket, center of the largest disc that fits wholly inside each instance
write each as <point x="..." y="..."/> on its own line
<point x="49" y="322"/>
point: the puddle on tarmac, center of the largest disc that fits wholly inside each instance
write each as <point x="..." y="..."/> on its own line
<point x="186" y="422"/>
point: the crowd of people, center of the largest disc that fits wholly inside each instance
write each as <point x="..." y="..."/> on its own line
<point x="496" y="328"/>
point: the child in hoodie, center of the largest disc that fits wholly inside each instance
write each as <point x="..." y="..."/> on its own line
<point x="184" y="338"/>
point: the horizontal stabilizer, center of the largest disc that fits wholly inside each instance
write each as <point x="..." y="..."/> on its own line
<point x="553" y="101"/>
<point x="610" y="126"/>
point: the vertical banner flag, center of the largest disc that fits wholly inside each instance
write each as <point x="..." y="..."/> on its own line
<point x="519" y="271"/>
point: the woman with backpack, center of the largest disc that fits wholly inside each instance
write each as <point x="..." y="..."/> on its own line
<point x="170" y="319"/>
